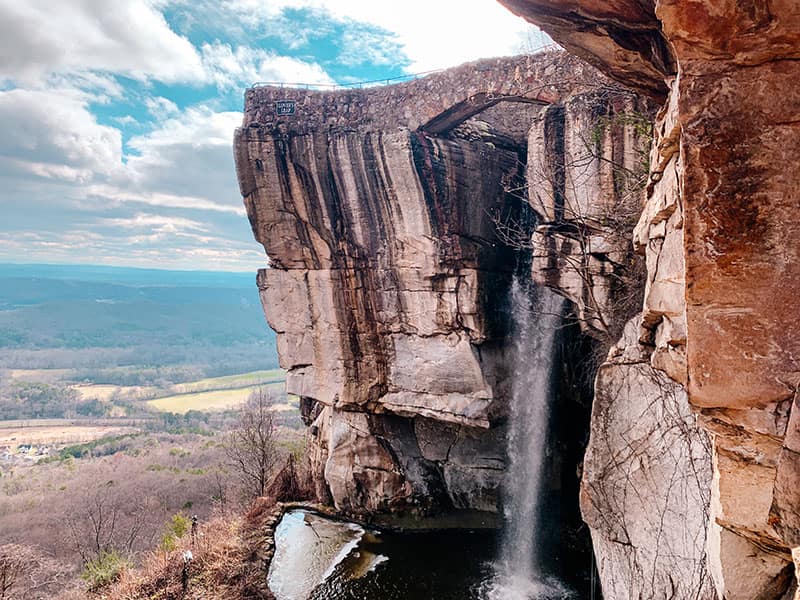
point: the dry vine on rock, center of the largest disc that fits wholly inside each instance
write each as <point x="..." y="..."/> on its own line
<point x="579" y="205"/>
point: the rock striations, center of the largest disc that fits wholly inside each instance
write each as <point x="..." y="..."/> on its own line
<point x="394" y="219"/>
<point x="720" y="306"/>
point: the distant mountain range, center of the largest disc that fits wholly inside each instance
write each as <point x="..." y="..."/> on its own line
<point x="125" y="275"/>
<point x="178" y="315"/>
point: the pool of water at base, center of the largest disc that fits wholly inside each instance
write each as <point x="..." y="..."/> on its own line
<point x="318" y="558"/>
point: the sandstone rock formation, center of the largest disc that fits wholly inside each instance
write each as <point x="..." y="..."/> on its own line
<point x="718" y="232"/>
<point x="383" y="265"/>
<point x="647" y="470"/>
<point x="379" y="210"/>
<point x="388" y="214"/>
<point x="622" y="37"/>
<point x="647" y="481"/>
<point x="585" y="175"/>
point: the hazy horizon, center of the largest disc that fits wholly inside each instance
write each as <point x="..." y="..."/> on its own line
<point x="4" y="264"/>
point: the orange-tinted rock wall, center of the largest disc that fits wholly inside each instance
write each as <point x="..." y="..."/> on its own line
<point x="721" y="231"/>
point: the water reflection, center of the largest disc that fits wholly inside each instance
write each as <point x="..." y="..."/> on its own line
<point x="308" y="549"/>
<point x="322" y="559"/>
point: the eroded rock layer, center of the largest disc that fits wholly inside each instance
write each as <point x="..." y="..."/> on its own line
<point x="719" y="232"/>
<point x="647" y="481"/>
<point x="382" y="211"/>
<point x="380" y="295"/>
<point x="585" y="176"/>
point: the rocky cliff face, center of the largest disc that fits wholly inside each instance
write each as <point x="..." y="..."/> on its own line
<point x="585" y="175"/>
<point x="386" y="214"/>
<point x="717" y="231"/>
<point x="646" y="480"/>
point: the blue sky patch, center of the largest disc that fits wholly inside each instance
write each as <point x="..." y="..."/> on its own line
<point x="118" y="117"/>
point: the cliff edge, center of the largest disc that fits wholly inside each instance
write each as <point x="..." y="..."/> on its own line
<point x="719" y="232"/>
<point x="395" y="219"/>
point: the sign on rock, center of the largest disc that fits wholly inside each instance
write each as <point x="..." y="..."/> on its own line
<point x="284" y="107"/>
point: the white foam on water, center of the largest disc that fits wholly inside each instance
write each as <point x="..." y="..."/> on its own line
<point x="506" y="586"/>
<point x="341" y="556"/>
<point x="372" y="562"/>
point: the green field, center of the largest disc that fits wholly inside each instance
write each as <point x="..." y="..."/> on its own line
<point x="234" y="383"/>
<point x="208" y="393"/>
<point x="230" y="382"/>
<point x="213" y="400"/>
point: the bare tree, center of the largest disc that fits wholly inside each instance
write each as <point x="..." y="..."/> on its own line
<point x="105" y="520"/>
<point x="251" y="446"/>
<point x="594" y="234"/>
<point x="13" y="563"/>
<point x="25" y="570"/>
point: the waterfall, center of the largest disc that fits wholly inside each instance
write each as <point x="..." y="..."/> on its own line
<point x="518" y="573"/>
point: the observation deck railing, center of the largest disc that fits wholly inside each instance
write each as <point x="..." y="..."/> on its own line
<point x="340" y="86"/>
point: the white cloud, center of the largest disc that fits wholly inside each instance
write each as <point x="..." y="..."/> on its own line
<point x="60" y="169"/>
<point x="70" y="190"/>
<point x="104" y="88"/>
<point x="198" y="126"/>
<point x="229" y="68"/>
<point x="160" y="107"/>
<point x="186" y="162"/>
<point x="129" y="37"/>
<point x="180" y="252"/>
<point x="83" y="40"/>
<point x="52" y="133"/>
<point x="109" y="193"/>
<point x="126" y="120"/>
<point x="434" y="35"/>
<point x="47" y="170"/>
<point x="362" y="46"/>
<point x="159" y="223"/>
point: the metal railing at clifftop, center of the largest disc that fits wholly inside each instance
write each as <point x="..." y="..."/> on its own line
<point x="353" y="85"/>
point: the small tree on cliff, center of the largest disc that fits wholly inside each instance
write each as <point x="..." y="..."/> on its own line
<point x="585" y="227"/>
<point x="251" y="447"/>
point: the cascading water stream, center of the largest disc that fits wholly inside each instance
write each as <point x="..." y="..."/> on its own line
<point x="518" y="572"/>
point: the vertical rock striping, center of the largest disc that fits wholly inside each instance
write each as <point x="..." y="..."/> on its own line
<point x="379" y="211"/>
<point x="378" y="295"/>
<point x="718" y="231"/>
<point x="394" y="219"/>
<point x="387" y="213"/>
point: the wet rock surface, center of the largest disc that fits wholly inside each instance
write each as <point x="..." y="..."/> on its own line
<point x="718" y="232"/>
<point x="389" y="280"/>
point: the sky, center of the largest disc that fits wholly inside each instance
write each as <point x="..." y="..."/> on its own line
<point x="117" y="118"/>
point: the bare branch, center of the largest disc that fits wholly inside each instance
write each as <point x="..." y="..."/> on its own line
<point x="251" y="447"/>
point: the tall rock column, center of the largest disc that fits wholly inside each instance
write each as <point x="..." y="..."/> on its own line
<point x="388" y="281"/>
<point x="719" y="231"/>
<point x="379" y="294"/>
<point x="647" y="471"/>
<point x="586" y="169"/>
<point x="738" y="104"/>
